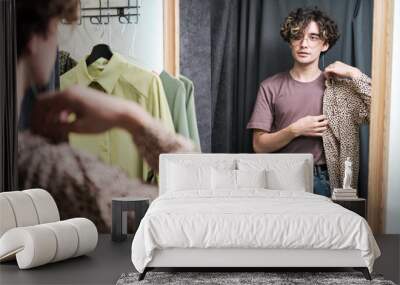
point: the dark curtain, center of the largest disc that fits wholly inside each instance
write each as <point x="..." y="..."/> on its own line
<point x="224" y="73"/>
<point x="8" y="139"/>
<point x="195" y="61"/>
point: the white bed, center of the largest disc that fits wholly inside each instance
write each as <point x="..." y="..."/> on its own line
<point x="203" y="220"/>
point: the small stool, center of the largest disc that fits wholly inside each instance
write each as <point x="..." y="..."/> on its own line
<point x="120" y="207"/>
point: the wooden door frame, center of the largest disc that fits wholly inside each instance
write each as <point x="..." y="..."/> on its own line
<point x="171" y="36"/>
<point x="382" y="44"/>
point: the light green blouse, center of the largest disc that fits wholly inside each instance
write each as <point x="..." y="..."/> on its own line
<point x="119" y="78"/>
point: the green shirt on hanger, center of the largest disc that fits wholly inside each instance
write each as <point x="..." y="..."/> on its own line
<point x="121" y="79"/>
<point x="191" y="110"/>
<point x="176" y="96"/>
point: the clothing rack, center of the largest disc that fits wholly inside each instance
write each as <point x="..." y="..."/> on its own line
<point x="101" y="14"/>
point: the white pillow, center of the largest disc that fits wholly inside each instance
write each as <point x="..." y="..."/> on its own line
<point x="223" y="179"/>
<point x="293" y="179"/>
<point x="182" y="177"/>
<point x="281" y="174"/>
<point x="227" y="179"/>
<point x="251" y="178"/>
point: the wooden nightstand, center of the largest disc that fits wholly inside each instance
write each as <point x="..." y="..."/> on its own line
<point x="358" y="205"/>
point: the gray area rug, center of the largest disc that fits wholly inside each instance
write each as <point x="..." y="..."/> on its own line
<point x="231" y="278"/>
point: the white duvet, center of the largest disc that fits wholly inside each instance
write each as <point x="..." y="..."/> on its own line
<point x="251" y="218"/>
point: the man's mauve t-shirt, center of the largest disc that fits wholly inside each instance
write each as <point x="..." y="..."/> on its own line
<point x="281" y="101"/>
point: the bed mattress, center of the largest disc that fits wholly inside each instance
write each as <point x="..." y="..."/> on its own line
<point x="251" y="219"/>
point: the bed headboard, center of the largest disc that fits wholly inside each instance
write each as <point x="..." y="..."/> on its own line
<point x="215" y="158"/>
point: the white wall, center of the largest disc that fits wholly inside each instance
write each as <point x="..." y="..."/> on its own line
<point x="141" y="43"/>
<point x="149" y="44"/>
<point x="392" y="225"/>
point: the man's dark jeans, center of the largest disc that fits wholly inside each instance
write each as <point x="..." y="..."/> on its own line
<point x="321" y="182"/>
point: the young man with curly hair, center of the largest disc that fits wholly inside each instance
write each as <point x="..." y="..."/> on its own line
<point x="287" y="116"/>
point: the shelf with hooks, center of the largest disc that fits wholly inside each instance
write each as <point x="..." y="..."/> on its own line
<point x="101" y="14"/>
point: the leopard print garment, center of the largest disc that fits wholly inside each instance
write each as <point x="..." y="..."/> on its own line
<point x="346" y="104"/>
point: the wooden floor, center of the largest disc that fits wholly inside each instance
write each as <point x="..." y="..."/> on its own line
<point x="110" y="260"/>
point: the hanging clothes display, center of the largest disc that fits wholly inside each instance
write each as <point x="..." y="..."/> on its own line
<point x="180" y="96"/>
<point x="191" y="111"/>
<point x="119" y="78"/>
<point x="176" y="97"/>
<point x="346" y="104"/>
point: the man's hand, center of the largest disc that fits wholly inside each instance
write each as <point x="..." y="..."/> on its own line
<point x="93" y="112"/>
<point x="342" y="70"/>
<point x="312" y="126"/>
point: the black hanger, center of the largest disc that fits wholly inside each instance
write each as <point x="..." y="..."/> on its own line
<point x="98" y="51"/>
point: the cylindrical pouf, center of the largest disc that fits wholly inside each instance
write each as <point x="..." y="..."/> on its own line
<point x="87" y="234"/>
<point x="67" y="239"/>
<point x="37" y="245"/>
<point x="23" y="208"/>
<point x="45" y="205"/>
<point x="34" y="246"/>
<point x="7" y="218"/>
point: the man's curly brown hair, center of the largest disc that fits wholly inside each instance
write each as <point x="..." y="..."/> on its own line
<point x="297" y="21"/>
